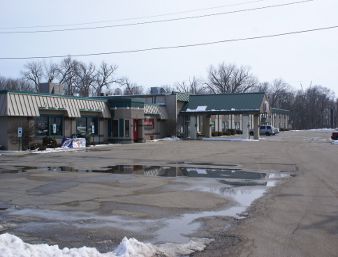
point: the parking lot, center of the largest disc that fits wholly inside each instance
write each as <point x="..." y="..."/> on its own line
<point x="281" y="202"/>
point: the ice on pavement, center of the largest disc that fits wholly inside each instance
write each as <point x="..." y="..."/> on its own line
<point x="13" y="246"/>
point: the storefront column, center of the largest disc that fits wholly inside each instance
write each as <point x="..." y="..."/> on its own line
<point x="192" y="129"/>
<point x="206" y="125"/>
<point x="256" y="126"/>
<point x="245" y="125"/>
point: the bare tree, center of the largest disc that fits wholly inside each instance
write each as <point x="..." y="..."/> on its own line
<point x="15" y="84"/>
<point x="230" y="79"/>
<point x="105" y="77"/>
<point x="193" y="86"/>
<point x="50" y="71"/>
<point x="130" y="88"/>
<point x="85" y="79"/>
<point x="67" y="74"/>
<point x="33" y="72"/>
<point x="262" y="87"/>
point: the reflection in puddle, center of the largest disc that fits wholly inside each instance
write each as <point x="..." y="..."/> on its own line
<point x="167" y="171"/>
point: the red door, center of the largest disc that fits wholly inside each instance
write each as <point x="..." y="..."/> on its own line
<point x="135" y="130"/>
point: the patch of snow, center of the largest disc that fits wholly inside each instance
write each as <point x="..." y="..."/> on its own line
<point x="229" y="139"/>
<point x="13" y="246"/>
<point x="173" y="138"/>
<point x="199" y="171"/>
<point x="334" y="142"/>
<point x="198" y="109"/>
<point x="315" y="130"/>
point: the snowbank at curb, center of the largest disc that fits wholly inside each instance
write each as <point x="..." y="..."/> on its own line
<point x="13" y="246"/>
<point x="228" y="139"/>
<point x="173" y="139"/>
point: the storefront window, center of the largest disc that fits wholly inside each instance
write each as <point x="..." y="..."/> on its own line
<point x="42" y="126"/>
<point x="115" y="128"/>
<point x="81" y="126"/>
<point x="57" y="123"/>
<point x="45" y="125"/>
<point x="86" y="126"/>
<point x="92" y="125"/>
<point x="121" y="128"/>
<point x="126" y="128"/>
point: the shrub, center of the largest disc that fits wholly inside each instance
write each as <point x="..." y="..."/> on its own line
<point x="231" y="132"/>
<point x="49" y="142"/>
<point x="35" y="146"/>
<point x="227" y="133"/>
<point x="217" y="133"/>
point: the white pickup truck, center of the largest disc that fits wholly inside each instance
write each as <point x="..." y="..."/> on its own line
<point x="267" y="130"/>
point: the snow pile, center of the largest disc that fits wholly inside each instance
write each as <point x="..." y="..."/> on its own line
<point x="335" y="142"/>
<point x="322" y="130"/>
<point x="132" y="247"/>
<point x="173" y="138"/>
<point x="58" y="150"/>
<point x="229" y="139"/>
<point x="13" y="246"/>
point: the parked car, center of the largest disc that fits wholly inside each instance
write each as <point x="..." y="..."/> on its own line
<point x="276" y="130"/>
<point x="267" y="130"/>
<point x="334" y="135"/>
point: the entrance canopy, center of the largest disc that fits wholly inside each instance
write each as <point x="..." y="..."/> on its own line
<point x="240" y="103"/>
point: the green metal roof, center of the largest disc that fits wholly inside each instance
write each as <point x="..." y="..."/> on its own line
<point x="123" y="102"/>
<point x="183" y="97"/>
<point x="225" y="103"/>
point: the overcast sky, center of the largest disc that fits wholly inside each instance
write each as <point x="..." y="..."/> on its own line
<point x="298" y="59"/>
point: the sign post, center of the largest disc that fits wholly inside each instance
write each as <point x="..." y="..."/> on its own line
<point x="20" y="132"/>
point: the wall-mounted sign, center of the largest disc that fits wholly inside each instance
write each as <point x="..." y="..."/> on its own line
<point x="93" y="129"/>
<point x="149" y="123"/>
<point x="54" y="129"/>
<point x="20" y="130"/>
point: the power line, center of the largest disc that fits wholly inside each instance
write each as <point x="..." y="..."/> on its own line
<point x="158" y="21"/>
<point x="135" y="18"/>
<point x="177" y="46"/>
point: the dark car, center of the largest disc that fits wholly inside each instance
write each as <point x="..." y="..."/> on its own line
<point x="334" y="135"/>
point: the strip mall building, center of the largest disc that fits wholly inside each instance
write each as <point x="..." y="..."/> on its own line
<point x="128" y="119"/>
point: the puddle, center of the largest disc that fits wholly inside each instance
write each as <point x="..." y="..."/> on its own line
<point x="242" y="188"/>
<point x="167" y="171"/>
<point x="15" y="169"/>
